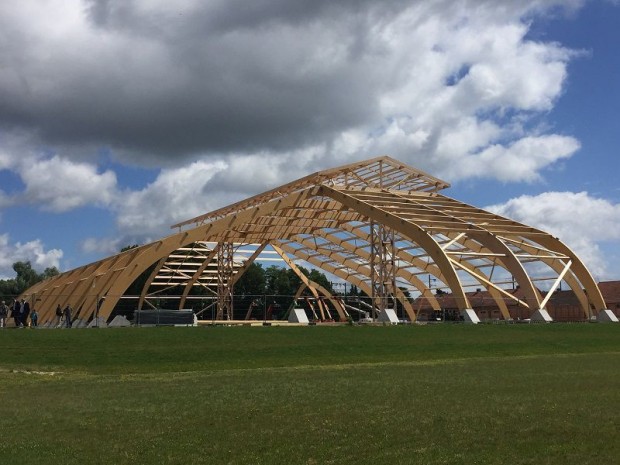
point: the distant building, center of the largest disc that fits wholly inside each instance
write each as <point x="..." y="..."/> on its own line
<point x="562" y="305"/>
<point x="611" y="295"/>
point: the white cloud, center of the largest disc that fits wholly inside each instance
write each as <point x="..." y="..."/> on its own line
<point x="519" y="161"/>
<point x="232" y="98"/>
<point x="32" y="251"/>
<point x="102" y="246"/>
<point x="584" y="223"/>
<point x="159" y="83"/>
<point x="58" y="184"/>
<point x="176" y="194"/>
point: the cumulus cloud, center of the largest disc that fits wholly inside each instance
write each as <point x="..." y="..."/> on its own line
<point x="229" y="98"/>
<point x="583" y="222"/>
<point x="175" y="195"/>
<point x="103" y="246"/>
<point x="32" y="251"/>
<point x="519" y="161"/>
<point x="162" y="80"/>
<point x="156" y="81"/>
<point x="59" y="184"/>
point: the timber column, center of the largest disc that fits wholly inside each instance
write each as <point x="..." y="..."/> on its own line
<point x="225" y="269"/>
<point x="382" y="267"/>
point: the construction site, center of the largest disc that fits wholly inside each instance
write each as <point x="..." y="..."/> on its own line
<point x="377" y="226"/>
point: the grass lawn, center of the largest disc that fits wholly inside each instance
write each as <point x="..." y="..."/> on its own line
<point x="435" y="394"/>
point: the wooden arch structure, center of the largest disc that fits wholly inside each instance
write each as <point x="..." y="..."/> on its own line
<point x="378" y="224"/>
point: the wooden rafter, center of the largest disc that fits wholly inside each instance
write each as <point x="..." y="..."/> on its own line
<point x="324" y="218"/>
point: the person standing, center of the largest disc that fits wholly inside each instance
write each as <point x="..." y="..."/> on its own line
<point x="4" y="312"/>
<point x="15" y="312"/>
<point x="67" y="316"/>
<point x="25" y="312"/>
<point x="58" y="316"/>
<point x="34" y="318"/>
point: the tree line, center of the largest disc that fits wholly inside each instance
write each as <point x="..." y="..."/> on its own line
<point x="25" y="277"/>
<point x="260" y="288"/>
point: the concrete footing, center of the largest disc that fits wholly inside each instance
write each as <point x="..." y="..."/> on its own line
<point x="98" y="322"/>
<point x="119" y="321"/>
<point x="470" y="316"/>
<point x="541" y="316"/>
<point x="607" y="316"/>
<point x="388" y="316"/>
<point x="78" y="323"/>
<point x="298" y="315"/>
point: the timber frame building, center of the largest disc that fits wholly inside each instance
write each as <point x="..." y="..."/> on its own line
<point x="377" y="224"/>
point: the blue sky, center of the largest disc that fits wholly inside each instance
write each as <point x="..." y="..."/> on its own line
<point x="120" y="118"/>
<point x="588" y="107"/>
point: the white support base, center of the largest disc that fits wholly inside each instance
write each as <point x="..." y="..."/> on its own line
<point x="298" y="315"/>
<point x="98" y="323"/>
<point x="119" y="321"/>
<point x="541" y="315"/>
<point x="607" y="316"/>
<point x="78" y="323"/>
<point x="469" y="316"/>
<point x="388" y="316"/>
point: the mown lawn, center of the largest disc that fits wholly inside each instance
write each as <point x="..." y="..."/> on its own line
<point x="436" y="394"/>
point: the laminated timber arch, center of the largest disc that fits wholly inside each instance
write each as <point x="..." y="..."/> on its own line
<point x="378" y="224"/>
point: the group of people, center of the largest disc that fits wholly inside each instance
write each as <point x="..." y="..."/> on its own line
<point x="63" y="316"/>
<point x="21" y="313"/>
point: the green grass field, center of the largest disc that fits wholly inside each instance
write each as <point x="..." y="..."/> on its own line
<point x="435" y="394"/>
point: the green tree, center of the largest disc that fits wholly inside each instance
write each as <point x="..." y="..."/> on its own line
<point x="50" y="272"/>
<point x="320" y="278"/>
<point x="252" y="282"/>
<point x="25" y="277"/>
<point x="280" y="287"/>
<point x="354" y="291"/>
<point x="249" y="292"/>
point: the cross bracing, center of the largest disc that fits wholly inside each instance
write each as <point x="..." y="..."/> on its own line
<point x="378" y="224"/>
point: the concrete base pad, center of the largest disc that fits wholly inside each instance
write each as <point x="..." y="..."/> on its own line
<point x="298" y="315"/>
<point x="607" y="316"/>
<point x="541" y="316"/>
<point x="98" y="323"/>
<point x="469" y="316"/>
<point x="78" y="323"/>
<point x="388" y="316"/>
<point x="119" y="321"/>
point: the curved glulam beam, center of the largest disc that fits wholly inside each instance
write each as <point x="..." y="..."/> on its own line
<point x="446" y="214"/>
<point x="556" y="264"/>
<point x="149" y="281"/>
<point x="303" y="278"/>
<point x="595" y="298"/>
<point x="406" y="257"/>
<point x="359" y="266"/>
<point x="153" y="252"/>
<point x="409" y="230"/>
<point x="312" y="285"/>
<point x="483" y="279"/>
<point x="335" y="301"/>
<point x="361" y="284"/>
<point x="365" y="257"/>
<point x="509" y="262"/>
<point x="79" y="287"/>
<point x="381" y="190"/>
<point x="329" y="267"/>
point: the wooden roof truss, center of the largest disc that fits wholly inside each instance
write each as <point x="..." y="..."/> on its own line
<point x="378" y="224"/>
